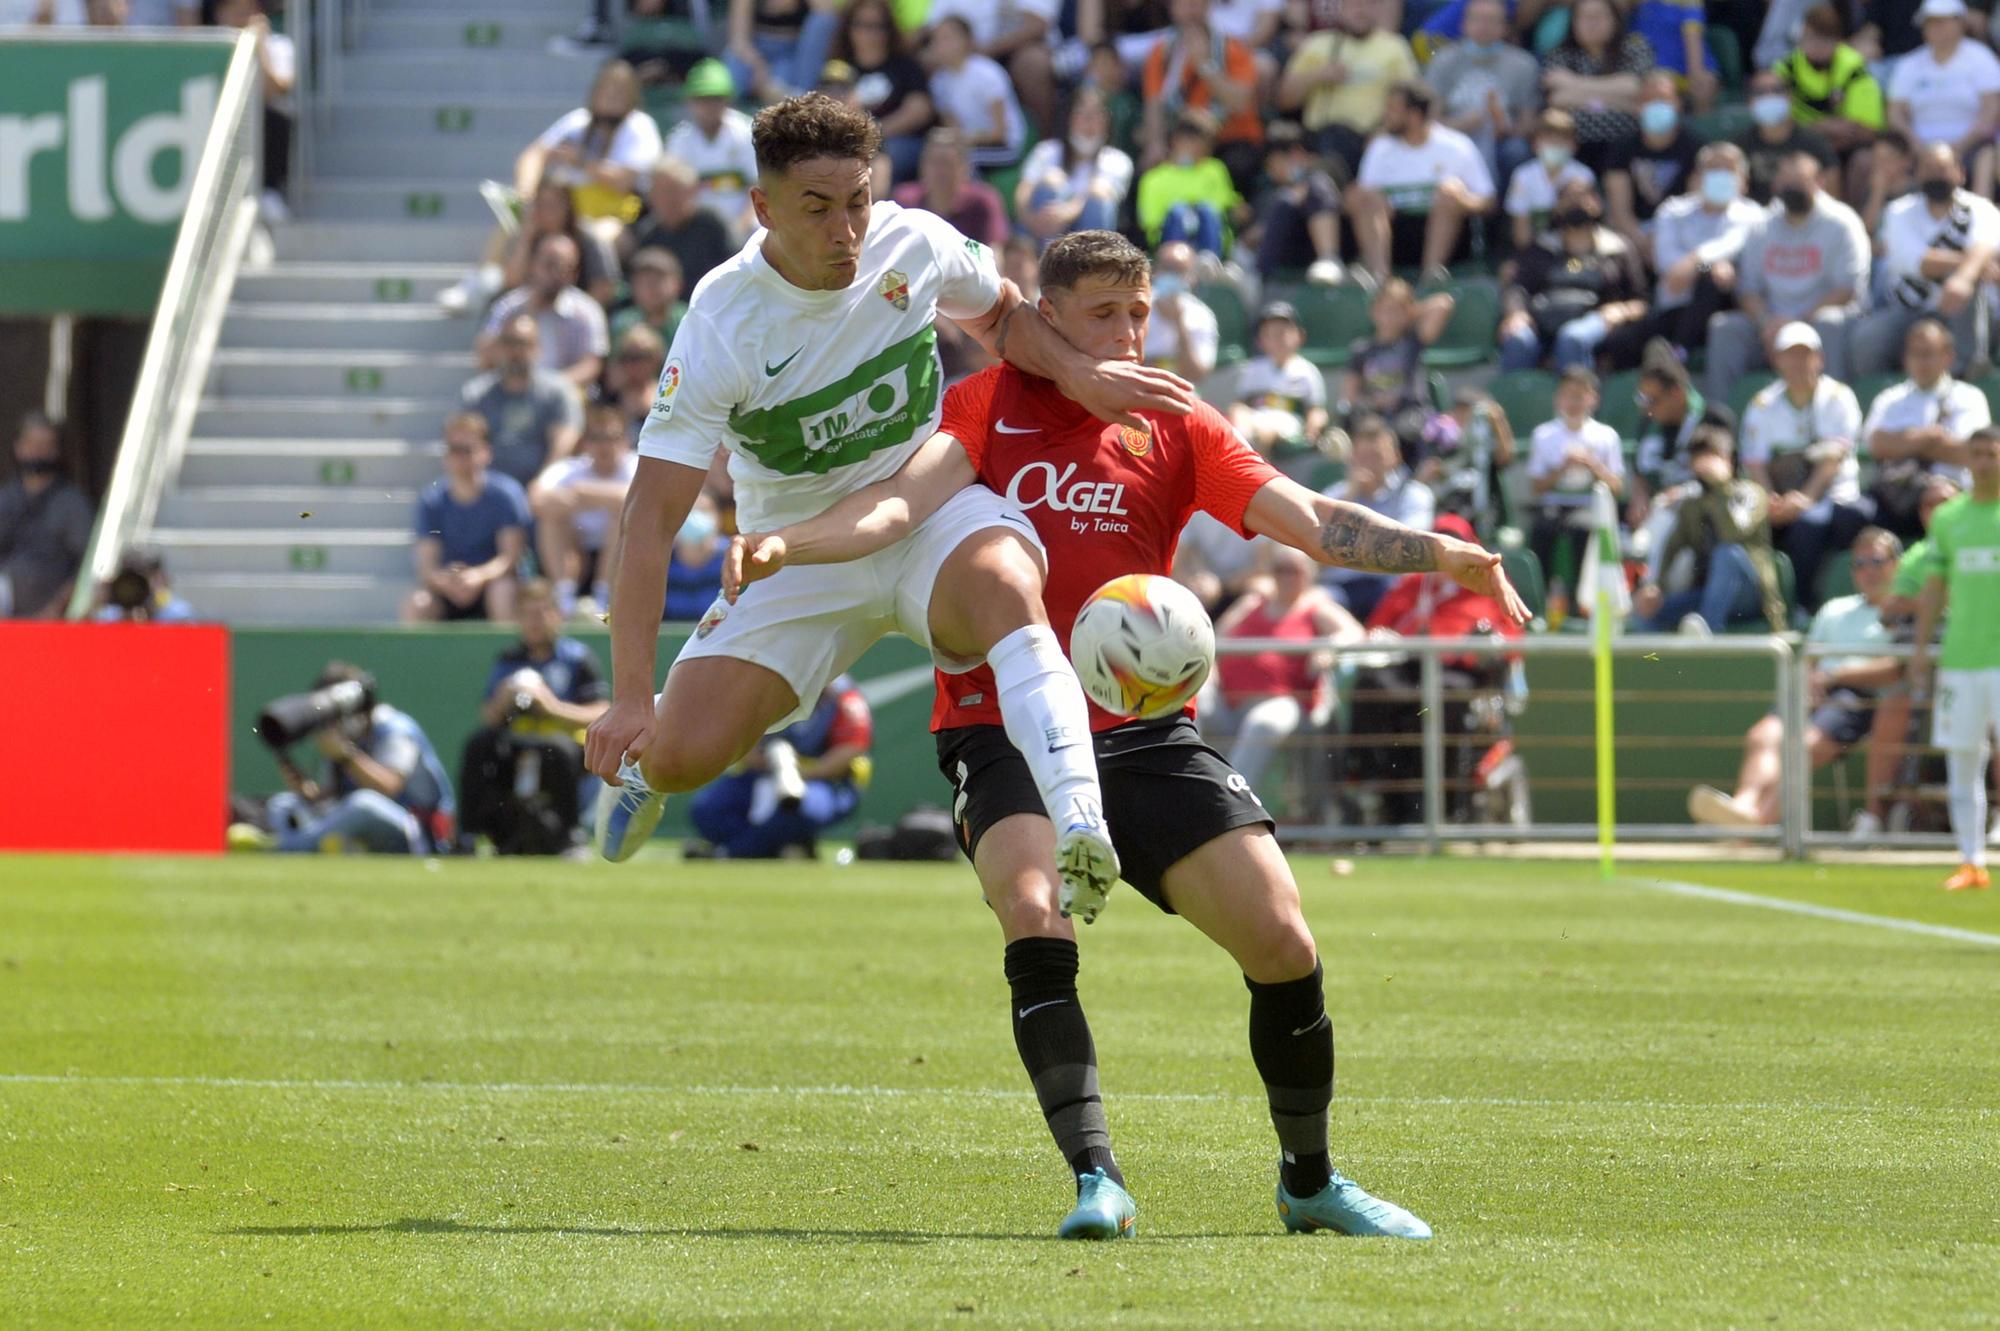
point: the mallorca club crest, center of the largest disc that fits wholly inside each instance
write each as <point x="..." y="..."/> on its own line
<point x="895" y="289"/>
<point x="1136" y="442"/>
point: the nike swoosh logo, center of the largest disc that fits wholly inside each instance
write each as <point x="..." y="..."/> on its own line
<point x="772" y="371"/>
<point x="1303" y="1030"/>
<point x="1022" y="1015"/>
<point x="1005" y="428"/>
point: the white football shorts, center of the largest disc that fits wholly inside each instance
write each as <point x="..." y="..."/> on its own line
<point x="810" y="622"/>
<point x="1965" y="709"/>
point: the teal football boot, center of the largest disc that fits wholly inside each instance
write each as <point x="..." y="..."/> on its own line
<point x="1345" y="1207"/>
<point x="1103" y="1210"/>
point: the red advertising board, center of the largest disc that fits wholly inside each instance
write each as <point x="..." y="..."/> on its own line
<point x="113" y="737"/>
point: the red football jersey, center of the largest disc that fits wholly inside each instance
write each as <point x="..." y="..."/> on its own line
<point x="1107" y="499"/>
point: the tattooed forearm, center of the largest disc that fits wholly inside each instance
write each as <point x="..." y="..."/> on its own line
<point x="1354" y="537"/>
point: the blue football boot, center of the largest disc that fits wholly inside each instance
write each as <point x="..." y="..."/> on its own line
<point x="1103" y="1210"/>
<point x="1345" y="1207"/>
<point x="627" y="814"/>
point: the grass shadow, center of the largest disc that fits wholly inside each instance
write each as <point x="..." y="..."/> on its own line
<point x="427" y="1225"/>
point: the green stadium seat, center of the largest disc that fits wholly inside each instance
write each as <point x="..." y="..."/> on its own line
<point x="1440" y="391"/>
<point x="1475" y="320"/>
<point x="1836" y="576"/>
<point x="1620" y="409"/>
<point x="1746" y="388"/>
<point x="1990" y="386"/>
<point x="1525" y="572"/>
<point x="1328" y="473"/>
<point x="1868" y="387"/>
<point x="1529" y="399"/>
<point x="1725" y="122"/>
<point x="1232" y="320"/>
<point x="1333" y="317"/>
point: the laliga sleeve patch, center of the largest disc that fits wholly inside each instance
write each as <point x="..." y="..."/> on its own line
<point x="670" y="385"/>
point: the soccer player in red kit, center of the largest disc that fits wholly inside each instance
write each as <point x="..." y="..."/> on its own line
<point x="1192" y="836"/>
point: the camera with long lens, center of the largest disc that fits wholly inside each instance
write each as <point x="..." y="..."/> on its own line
<point x="285" y="721"/>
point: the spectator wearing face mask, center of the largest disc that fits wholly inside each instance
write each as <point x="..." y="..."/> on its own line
<point x="1833" y="92"/>
<point x="1181" y="334"/>
<point x="1297" y="224"/>
<point x="1572" y="289"/>
<point x="1938" y="248"/>
<point x="1190" y="196"/>
<point x="1531" y="194"/>
<point x="1775" y="135"/>
<point x="1491" y="87"/>
<point x="1807" y="263"/>
<point x="1078" y="182"/>
<point x="44" y="526"/>
<point x="694" y="568"/>
<point x="1649" y="167"/>
<point x="1697" y="237"/>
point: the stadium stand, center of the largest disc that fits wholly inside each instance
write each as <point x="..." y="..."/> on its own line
<point x="336" y="367"/>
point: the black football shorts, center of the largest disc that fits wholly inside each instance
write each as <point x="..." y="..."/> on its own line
<point x="1166" y="793"/>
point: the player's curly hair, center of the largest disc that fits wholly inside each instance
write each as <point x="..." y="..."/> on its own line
<point x="811" y="125"/>
<point x="1080" y="254"/>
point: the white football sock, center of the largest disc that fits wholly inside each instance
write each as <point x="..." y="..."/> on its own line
<point x="1965" y="770"/>
<point x="1048" y="720"/>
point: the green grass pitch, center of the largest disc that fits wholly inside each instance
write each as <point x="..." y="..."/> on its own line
<point x="318" y="1093"/>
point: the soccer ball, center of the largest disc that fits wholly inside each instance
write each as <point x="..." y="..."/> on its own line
<point x="1142" y="646"/>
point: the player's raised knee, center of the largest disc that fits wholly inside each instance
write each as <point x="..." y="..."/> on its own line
<point x="1285" y="951"/>
<point x="673" y="767"/>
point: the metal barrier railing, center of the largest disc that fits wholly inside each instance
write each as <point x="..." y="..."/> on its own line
<point x="221" y="209"/>
<point x="1908" y="792"/>
<point x="1433" y="700"/>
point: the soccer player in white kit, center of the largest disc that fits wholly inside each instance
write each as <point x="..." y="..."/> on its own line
<point x="811" y="357"/>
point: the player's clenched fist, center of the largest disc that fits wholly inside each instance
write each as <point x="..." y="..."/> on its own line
<point x="751" y="557"/>
<point x="618" y="736"/>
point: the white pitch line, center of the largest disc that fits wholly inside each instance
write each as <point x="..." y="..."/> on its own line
<point x="1728" y="897"/>
<point x="951" y="1093"/>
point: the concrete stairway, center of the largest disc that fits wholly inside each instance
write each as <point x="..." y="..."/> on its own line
<point x="318" y="423"/>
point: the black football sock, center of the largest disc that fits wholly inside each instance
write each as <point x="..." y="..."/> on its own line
<point x="1054" y="1040"/>
<point x="1291" y="1041"/>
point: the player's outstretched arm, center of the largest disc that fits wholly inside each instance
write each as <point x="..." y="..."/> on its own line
<point x="1111" y="390"/>
<point x="1335" y="532"/>
<point x="872" y="518"/>
<point x="655" y="507"/>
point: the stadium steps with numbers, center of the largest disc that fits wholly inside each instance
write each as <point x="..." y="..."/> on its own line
<point x="319" y="422"/>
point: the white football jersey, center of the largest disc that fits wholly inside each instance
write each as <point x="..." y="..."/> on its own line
<point x="817" y="393"/>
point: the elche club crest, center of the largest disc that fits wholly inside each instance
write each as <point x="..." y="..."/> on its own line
<point x="895" y="288"/>
<point x="1135" y="441"/>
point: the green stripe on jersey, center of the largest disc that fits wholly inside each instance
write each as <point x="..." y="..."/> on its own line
<point x="881" y="403"/>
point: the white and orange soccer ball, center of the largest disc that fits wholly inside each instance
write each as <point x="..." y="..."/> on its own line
<point x="1142" y="646"/>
